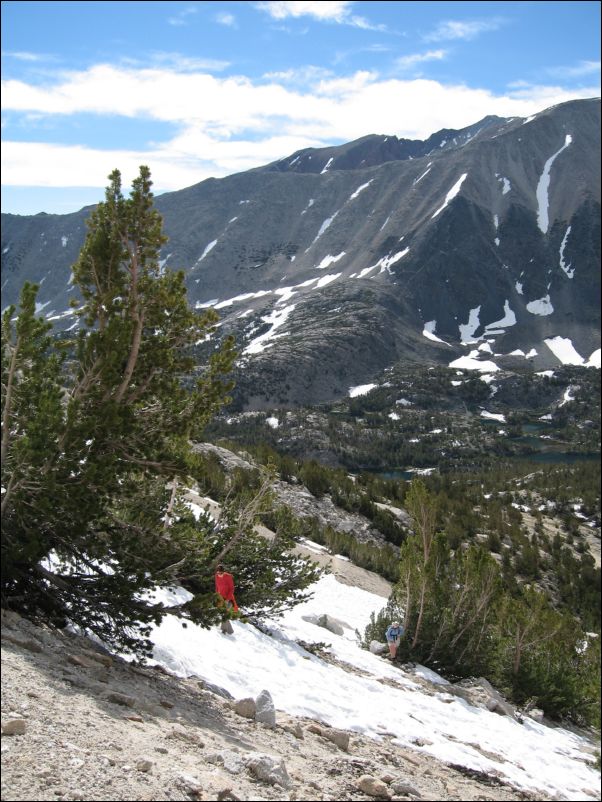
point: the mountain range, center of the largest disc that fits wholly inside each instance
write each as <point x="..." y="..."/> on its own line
<point x="477" y="248"/>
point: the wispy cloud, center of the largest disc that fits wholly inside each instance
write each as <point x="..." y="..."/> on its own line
<point x="224" y="18"/>
<point x="304" y="76"/>
<point x="182" y="17"/>
<point x="180" y="63"/>
<point x="463" y="29"/>
<point x="576" y="71"/>
<point x="411" y="60"/>
<point x="23" y="55"/>
<point x="339" y="11"/>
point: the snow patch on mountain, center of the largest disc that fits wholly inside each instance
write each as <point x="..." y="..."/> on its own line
<point x="429" y="332"/>
<point x="467" y="330"/>
<point x="208" y="249"/>
<point x="567" y="268"/>
<point x="472" y="362"/>
<point x="359" y="702"/>
<point x="276" y="319"/>
<point x="498" y="326"/>
<point x="286" y="293"/>
<point x="451" y="194"/>
<point x="360" y="189"/>
<point x="493" y="416"/>
<point x="322" y="282"/>
<point x="361" y="389"/>
<point x="564" y="350"/>
<point x="428" y="169"/>
<point x="326" y="224"/>
<point x="542" y="188"/>
<point x="244" y="297"/>
<point x="541" y="306"/>
<point x="384" y="263"/>
<point x="329" y="260"/>
<point x="594" y="360"/>
<point x="506" y="185"/>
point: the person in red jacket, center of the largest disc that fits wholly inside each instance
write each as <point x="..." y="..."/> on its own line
<point x="224" y="587"/>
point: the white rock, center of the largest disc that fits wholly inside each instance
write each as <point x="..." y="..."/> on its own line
<point x="265" y="710"/>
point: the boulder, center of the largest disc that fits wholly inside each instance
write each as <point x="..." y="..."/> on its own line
<point x="373" y="787"/>
<point x="209" y="686"/>
<point x="403" y="788"/>
<point x="338" y="737"/>
<point x="268" y="769"/>
<point x="79" y="661"/>
<point x="331" y="624"/>
<point x="376" y="647"/>
<point x="231" y="760"/>
<point x="536" y="714"/>
<point x="16" y="726"/>
<point x="245" y="707"/>
<point x="265" y="712"/>
<point x="481" y="693"/>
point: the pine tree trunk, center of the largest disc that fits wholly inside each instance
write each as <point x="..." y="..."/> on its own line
<point x="9" y="399"/>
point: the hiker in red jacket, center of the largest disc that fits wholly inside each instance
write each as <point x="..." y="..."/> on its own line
<point x="224" y="587"/>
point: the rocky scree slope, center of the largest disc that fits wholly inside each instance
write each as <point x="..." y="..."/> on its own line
<point x="78" y="723"/>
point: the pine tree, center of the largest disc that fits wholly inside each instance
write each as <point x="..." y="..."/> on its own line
<point x="96" y="436"/>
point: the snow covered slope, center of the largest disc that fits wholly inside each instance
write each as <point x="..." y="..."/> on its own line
<point x="375" y="698"/>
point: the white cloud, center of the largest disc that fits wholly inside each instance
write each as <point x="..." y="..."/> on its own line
<point x="338" y="11"/>
<point x="418" y="58"/>
<point x="223" y="18"/>
<point x="181" y="18"/>
<point x="545" y="94"/>
<point x="23" y="55"/>
<point x="333" y="11"/>
<point x="229" y="124"/>
<point x="466" y="29"/>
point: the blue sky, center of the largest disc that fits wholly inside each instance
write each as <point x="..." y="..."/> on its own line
<point x="200" y="89"/>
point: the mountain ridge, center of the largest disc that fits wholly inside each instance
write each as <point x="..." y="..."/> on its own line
<point x="414" y="259"/>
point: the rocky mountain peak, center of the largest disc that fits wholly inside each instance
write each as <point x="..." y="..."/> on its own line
<point x="463" y="249"/>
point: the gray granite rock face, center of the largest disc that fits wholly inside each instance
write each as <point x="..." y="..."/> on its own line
<point x="328" y="276"/>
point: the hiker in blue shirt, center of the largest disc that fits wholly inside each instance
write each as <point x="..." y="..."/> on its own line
<point x="393" y="636"/>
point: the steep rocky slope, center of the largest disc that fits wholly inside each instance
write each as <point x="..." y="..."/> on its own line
<point x="333" y="264"/>
<point x="88" y="726"/>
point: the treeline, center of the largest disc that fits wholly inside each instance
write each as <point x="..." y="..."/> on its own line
<point x="382" y="560"/>
<point x="221" y="485"/>
<point x="463" y="618"/>
<point x="358" y="494"/>
<point x="487" y="508"/>
<point x="491" y="509"/>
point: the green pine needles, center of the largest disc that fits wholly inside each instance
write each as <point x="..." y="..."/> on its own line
<point x="96" y="442"/>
